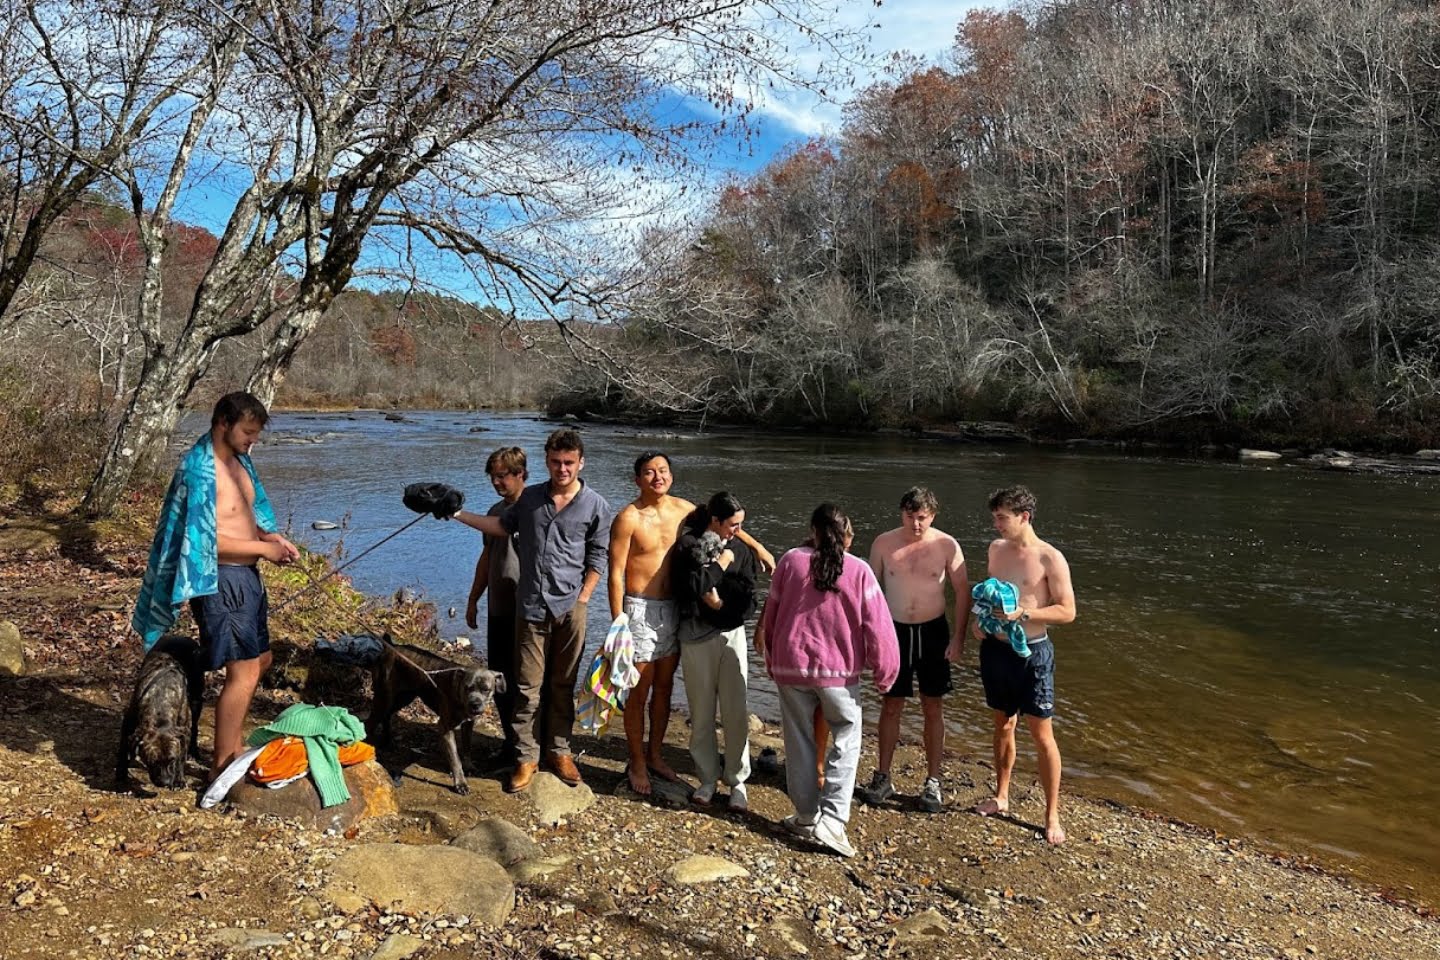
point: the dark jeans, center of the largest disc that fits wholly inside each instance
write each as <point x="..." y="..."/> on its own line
<point x="500" y="657"/>
<point x="549" y="657"/>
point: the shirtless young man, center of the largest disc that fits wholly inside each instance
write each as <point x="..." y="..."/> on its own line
<point x="1016" y="684"/>
<point x="641" y="539"/>
<point x="233" y="622"/>
<point x="913" y="562"/>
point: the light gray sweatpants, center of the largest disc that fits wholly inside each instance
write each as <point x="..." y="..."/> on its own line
<point x="716" y="670"/>
<point x="841" y="706"/>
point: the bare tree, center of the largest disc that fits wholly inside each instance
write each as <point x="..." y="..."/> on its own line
<point x="499" y="133"/>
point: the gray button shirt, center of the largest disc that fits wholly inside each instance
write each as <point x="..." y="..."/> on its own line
<point x="504" y="568"/>
<point x="556" y="549"/>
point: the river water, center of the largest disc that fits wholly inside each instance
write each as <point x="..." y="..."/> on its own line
<point x="1256" y="648"/>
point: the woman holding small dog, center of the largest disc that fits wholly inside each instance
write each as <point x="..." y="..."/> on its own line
<point x="714" y="583"/>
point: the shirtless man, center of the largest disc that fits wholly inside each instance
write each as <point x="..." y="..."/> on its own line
<point x="1016" y="684"/>
<point x="227" y="599"/>
<point x="641" y="539"/>
<point x="913" y="562"/>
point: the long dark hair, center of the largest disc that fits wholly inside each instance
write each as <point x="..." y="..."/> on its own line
<point x="828" y="528"/>
<point x="721" y="506"/>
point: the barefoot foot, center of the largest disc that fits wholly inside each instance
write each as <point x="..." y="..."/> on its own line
<point x="993" y="806"/>
<point x="639" y="780"/>
<point x="1054" y="834"/>
<point x="662" y="770"/>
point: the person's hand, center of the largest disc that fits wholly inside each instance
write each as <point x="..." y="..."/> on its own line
<point x="956" y="651"/>
<point x="766" y="559"/>
<point x="1014" y="616"/>
<point x="975" y="630"/>
<point x="712" y="600"/>
<point x="278" y="552"/>
<point x="472" y="610"/>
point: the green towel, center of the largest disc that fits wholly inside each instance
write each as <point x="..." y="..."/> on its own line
<point x="324" y="730"/>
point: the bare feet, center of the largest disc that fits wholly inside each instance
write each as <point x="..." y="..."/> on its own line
<point x="639" y="779"/>
<point x="662" y="770"/>
<point x="993" y="806"/>
<point x="1054" y="833"/>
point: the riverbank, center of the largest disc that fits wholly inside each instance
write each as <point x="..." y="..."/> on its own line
<point x="92" y="872"/>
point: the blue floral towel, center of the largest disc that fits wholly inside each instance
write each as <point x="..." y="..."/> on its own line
<point x="991" y="595"/>
<point x="185" y="554"/>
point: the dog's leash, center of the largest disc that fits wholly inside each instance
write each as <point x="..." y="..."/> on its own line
<point x="314" y="582"/>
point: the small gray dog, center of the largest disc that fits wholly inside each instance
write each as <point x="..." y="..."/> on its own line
<point x="458" y="693"/>
<point x="163" y="717"/>
<point x="706" y="551"/>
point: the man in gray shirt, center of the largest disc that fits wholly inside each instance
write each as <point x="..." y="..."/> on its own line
<point x="498" y="570"/>
<point x="561" y="531"/>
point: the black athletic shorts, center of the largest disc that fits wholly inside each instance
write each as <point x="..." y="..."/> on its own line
<point x="233" y="621"/>
<point x="1016" y="684"/>
<point x="922" y="659"/>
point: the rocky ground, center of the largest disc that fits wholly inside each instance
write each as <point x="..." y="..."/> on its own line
<point x="86" y="871"/>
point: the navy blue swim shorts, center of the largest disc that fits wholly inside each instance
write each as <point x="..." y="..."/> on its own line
<point x="233" y="622"/>
<point x="1016" y="684"/>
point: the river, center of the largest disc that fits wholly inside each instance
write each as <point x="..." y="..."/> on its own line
<point x="1256" y="648"/>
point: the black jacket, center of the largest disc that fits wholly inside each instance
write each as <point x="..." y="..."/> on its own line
<point x="691" y="580"/>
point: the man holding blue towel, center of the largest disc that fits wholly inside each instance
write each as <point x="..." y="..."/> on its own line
<point x="1016" y="684"/>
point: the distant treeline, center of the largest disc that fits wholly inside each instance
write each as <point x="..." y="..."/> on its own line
<point x="1166" y="219"/>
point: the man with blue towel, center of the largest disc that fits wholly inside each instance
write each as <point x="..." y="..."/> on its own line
<point x="1015" y="683"/>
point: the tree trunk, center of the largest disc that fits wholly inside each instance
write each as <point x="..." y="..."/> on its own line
<point x="154" y="410"/>
<point x="279" y="352"/>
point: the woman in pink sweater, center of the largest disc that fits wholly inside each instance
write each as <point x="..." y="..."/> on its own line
<point x="825" y="623"/>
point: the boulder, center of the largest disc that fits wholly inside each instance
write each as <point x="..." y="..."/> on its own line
<point x="1248" y="454"/>
<point x="371" y="795"/>
<point x="555" y="800"/>
<point x="702" y="869"/>
<point x="664" y="792"/>
<point x="428" y="879"/>
<point x="500" y="841"/>
<point x="527" y="870"/>
<point x="1428" y="454"/>
<point x="756" y="724"/>
<point x="12" y="650"/>
<point x="922" y="927"/>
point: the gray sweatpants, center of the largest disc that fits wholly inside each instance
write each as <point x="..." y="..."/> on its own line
<point x="841" y="706"/>
<point x="715" y="670"/>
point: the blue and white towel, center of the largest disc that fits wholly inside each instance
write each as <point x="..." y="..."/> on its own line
<point x="185" y="554"/>
<point x="991" y="595"/>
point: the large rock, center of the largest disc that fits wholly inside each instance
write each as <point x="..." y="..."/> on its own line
<point x="430" y="879"/>
<point x="371" y="795"/>
<point x="499" y="840"/>
<point x="702" y="869"/>
<point x="12" y="650"/>
<point x="1248" y="454"/>
<point x="240" y="940"/>
<point x="666" y="793"/>
<point x="398" y="946"/>
<point x="555" y="800"/>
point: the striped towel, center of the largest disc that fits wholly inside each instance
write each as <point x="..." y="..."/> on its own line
<point x="608" y="679"/>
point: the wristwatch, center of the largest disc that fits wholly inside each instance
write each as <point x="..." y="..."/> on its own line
<point x="1024" y="614"/>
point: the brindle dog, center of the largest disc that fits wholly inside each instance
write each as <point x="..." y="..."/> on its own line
<point x="164" y="714"/>
<point x="456" y="692"/>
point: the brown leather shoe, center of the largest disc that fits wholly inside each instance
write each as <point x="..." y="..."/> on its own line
<point x="521" y="777"/>
<point x="564" y="766"/>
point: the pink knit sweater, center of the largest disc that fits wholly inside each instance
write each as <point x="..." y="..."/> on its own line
<point x="815" y="639"/>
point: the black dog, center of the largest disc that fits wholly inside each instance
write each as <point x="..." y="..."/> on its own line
<point x="164" y="714"/>
<point x="456" y="692"/>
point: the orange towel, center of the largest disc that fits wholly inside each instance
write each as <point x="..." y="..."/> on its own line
<point x="284" y="758"/>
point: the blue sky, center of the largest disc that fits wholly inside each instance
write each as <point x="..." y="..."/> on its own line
<point x="924" y="29"/>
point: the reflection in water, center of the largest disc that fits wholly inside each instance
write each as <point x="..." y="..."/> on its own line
<point x="1256" y="648"/>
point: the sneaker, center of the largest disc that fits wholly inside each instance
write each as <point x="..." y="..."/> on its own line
<point x="831" y="832"/>
<point x="795" y="825"/>
<point x="880" y="789"/>
<point x="930" y="799"/>
<point x="739" y="802"/>
<point x="703" y="794"/>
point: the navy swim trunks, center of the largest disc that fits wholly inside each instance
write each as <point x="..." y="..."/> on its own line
<point x="233" y="621"/>
<point x="1015" y="684"/>
<point x="922" y="659"/>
